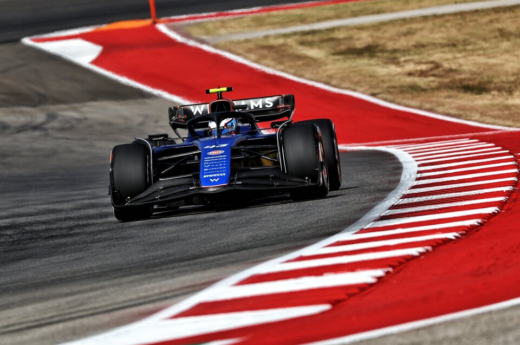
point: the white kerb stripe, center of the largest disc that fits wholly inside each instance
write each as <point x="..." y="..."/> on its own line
<point x="461" y="157"/>
<point x="455" y="149"/>
<point x="466" y="223"/>
<point x="413" y="151"/>
<point x="345" y="259"/>
<point x="375" y="244"/>
<point x="443" y="155"/>
<point x="439" y="206"/>
<point x="158" y="331"/>
<point x="478" y="167"/>
<point x="477" y="161"/>
<point x="78" y="50"/>
<point x="466" y="177"/>
<point x="433" y="144"/>
<point x="454" y="195"/>
<point x="406" y="220"/>
<point x="298" y="284"/>
<point x="459" y="185"/>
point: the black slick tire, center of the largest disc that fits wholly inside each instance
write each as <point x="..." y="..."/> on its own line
<point x="129" y="178"/>
<point x="330" y="145"/>
<point x="304" y="158"/>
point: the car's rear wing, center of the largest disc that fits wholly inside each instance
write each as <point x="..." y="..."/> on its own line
<point x="264" y="109"/>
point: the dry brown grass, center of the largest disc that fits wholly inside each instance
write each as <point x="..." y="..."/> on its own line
<point x="466" y="65"/>
<point x="310" y="15"/>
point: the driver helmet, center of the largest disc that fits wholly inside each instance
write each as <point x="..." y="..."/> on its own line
<point x="228" y="126"/>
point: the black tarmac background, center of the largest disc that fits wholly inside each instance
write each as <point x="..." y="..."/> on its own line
<point x="20" y="18"/>
<point x="68" y="269"/>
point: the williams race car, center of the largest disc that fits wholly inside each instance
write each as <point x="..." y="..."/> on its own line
<point x="225" y="157"/>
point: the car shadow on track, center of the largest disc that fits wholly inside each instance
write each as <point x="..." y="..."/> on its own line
<point x="229" y="207"/>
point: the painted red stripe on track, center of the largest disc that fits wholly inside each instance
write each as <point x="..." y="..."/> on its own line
<point x="460" y="230"/>
<point x="482" y="216"/>
<point x="281" y="300"/>
<point x="463" y="158"/>
<point x="477" y="179"/>
<point x="429" y="243"/>
<point x="466" y="163"/>
<point x="329" y="269"/>
<point x="504" y="184"/>
<point x="457" y="175"/>
<point x="443" y="210"/>
<point x="450" y="200"/>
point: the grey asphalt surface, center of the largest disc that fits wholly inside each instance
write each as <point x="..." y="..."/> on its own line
<point x="19" y="18"/>
<point x="68" y="269"/>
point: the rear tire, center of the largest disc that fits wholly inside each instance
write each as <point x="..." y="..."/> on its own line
<point x="305" y="158"/>
<point x="330" y="145"/>
<point x="129" y="178"/>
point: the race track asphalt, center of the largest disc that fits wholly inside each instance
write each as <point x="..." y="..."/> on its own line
<point x="68" y="269"/>
<point x="19" y="18"/>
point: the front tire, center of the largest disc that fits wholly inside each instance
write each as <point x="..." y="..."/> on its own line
<point x="305" y="158"/>
<point x="129" y="178"/>
<point x="330" y="145"/>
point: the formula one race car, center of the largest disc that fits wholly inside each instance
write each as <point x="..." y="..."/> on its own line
<point x="225" y="157"/>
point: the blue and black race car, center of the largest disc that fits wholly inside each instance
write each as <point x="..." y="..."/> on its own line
<point x="225" y="156"/>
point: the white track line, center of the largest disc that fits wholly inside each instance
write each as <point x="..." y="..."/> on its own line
<point x="466" y="223"/>
<point x="454" y="195"/>
<point x="450" y="149"/>
<point x="382" y="243"/>
<point x="461" y="157"/>
<point x="439" y="206"/>
<point x="477" y="161"/>
<point x="345" y="259"/>
<point x="478" y="167"/>
<point x="297" y="284"/>
<point x="466" y="177"/>
<point x="443" y="155"/>
<point x="407" y="220"/>
<point x="459" y="185"/>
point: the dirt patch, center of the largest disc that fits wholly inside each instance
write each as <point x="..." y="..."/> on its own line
<point x="310" y="15"/>
<point x="464" y="65"/>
